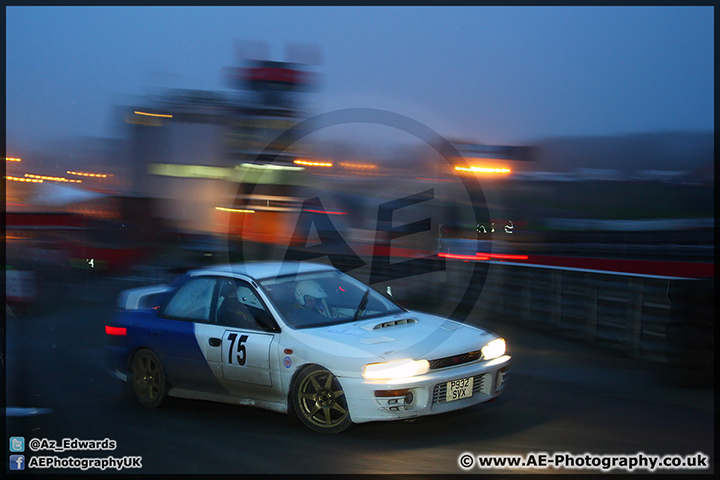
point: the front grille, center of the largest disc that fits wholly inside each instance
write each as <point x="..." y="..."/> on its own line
<point x="440" y="390"/>
<point x="455" y="360"/>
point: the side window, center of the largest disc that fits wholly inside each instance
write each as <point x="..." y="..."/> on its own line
<point x="192" y="300"/>
<point x="247" y="297"/>
<point x="238" y="306"/>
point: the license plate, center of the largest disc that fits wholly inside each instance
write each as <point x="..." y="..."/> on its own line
<point x="458" y="389"/>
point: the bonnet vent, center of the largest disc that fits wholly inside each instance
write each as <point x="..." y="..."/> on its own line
<point x="393" y="323"/>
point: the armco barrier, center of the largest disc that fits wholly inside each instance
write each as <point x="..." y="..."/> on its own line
<point x="664" y="319"/>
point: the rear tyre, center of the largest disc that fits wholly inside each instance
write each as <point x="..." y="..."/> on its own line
<point x="319" y="401"/>
<point x="148" y="381"/>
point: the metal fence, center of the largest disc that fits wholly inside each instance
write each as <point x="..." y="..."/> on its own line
<point x="623" y="312"/>
<point x="630" y="313"/>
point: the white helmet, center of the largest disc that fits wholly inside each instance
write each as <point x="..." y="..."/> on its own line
<point x="310" y="288"/>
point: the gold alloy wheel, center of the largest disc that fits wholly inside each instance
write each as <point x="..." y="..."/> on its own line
<point x="320" y="401"/>
<point x="148" y="379"/>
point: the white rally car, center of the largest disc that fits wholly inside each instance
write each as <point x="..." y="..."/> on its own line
<point x="298" y="337"/>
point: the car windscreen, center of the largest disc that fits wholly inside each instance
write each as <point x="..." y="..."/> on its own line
<point x="325" y="298"/>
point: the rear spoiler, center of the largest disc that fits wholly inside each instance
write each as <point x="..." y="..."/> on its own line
<point x="141" y="297"/>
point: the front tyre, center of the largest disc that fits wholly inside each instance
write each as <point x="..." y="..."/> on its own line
<point x="149" y="383"/>
<point x="319" y="401"/>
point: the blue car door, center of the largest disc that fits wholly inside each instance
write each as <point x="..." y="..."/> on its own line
<point x="177" y="343"/>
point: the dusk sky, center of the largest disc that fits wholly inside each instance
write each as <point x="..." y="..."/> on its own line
<point x="497" y="75"/>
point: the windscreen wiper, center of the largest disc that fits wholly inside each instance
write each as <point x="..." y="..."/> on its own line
<point x="363" y="303"/>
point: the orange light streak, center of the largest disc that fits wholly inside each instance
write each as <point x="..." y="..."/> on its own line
<point x="489" y="170"/>
<point x="54" y="179"/>
<point x="86" y="174"/>
<point x="235" y="210"/>
<point x="153" y="114"/>
<point x="308" y="163"/>
<point x="365" y="166"/>
<point x="18" y="179"/>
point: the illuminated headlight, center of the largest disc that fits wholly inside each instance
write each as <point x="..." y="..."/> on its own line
<point x="396" y="369"/>
<point x="494" y="349"/>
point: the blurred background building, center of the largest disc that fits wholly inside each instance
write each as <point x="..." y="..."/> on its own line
<point x="214" y="166"/>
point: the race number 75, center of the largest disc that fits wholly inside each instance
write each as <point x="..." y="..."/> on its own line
<point x="237" y="348"/>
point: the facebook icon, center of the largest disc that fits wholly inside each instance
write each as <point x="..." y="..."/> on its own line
<point x="17" y="462"/>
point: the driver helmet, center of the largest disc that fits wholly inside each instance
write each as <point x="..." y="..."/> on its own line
<point x="308" y="288"/>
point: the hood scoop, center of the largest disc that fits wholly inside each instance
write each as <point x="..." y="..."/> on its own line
<point x="391" y="323"/>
